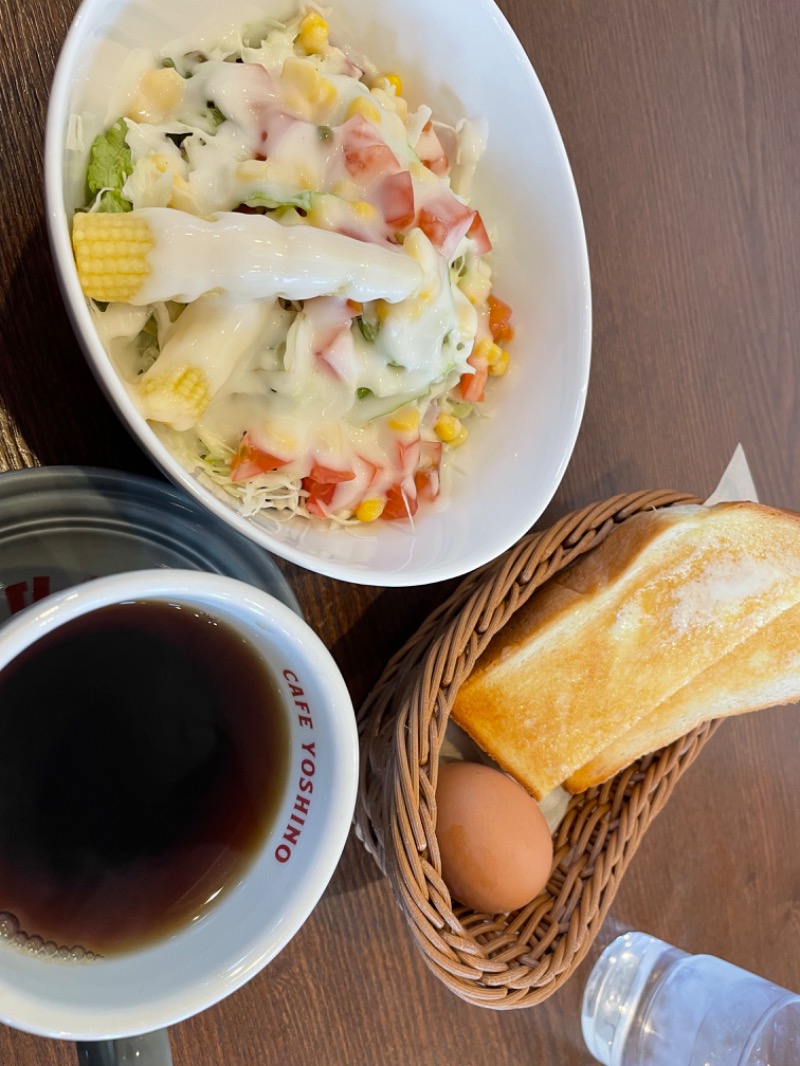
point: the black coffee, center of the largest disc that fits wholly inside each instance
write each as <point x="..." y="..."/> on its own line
<point x="143" y="753"/>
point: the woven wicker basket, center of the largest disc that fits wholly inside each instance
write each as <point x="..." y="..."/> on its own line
<point x="519" y="959"/>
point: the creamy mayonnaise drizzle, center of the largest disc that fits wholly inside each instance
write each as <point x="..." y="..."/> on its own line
<point x="330" y="333"/>
<point x="252" y="257"/>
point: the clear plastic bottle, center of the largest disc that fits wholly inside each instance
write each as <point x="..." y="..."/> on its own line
<point x="647" y="1003"/>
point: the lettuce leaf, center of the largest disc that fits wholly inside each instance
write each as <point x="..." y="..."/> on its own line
<point x="301" y="199"/>
<point x="369" y="330"/>
<point x="109" y="166"/>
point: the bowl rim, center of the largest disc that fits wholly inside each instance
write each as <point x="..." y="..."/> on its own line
<point x="475" y="553"/>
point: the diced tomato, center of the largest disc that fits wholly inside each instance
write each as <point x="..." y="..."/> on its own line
<point x="430" y="151"/>
<point x="477" y="231"/>
<point x="331" y="342"/>
<point x="335" y="352"/>
<point x="372" y="471"/>
<point x="427" y="482"/>
<point x="250" y="460"/>
<point x="366" y="155"/>
<point x="439" y="165"/>
<point x="434" y="228"/>
<point x="472" y="386"/>
<point x="399" y="504"/>
<point x="430" y="453"/>
<point x="261" y="154"/>
<point x="500" y="320"/>
<point x="395" y="199"/>
<point x="427" y="478"/>
<point x="274" y="124"/>
<point x="321" y="484"/>
<point x="320" y="496"/>
<point x="353" y="233"/>
<point x="445" y="220"/>
<point x="408" y="455"/>
<point x="326" y="475"/>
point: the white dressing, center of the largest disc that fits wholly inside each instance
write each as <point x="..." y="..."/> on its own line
<point x="252" y="257"/>
<point x="316" y="296"/>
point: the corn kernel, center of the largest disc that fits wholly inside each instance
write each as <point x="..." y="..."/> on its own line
<point x="327" y="97"/>
<point x="383" y="94"/>
<point x="485" y="350"/>
<point x="459" y="438"/>
<point x="499" y="366"/>
<point x="301" y="74"/>
<point x="447" y="427"/>
<point x="404" y="419"/>
<point x="394" y="81"/>
<point x="476" y="286"/>
<point x="305" y="91"/>
<point x="369" y="510"/>
<point x="313" y="34"/>
<point x="363" y="210"/>
<point x="492" y="355"/>
<point x="282" y="437"/>
<point x="305" y="179"/>
<point x="361" y="106"/>
<point x="182" y="197"/>
<point x="159" y="92"/>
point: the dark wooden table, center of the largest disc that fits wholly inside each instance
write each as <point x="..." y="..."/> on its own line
<point x="682" y="124"/>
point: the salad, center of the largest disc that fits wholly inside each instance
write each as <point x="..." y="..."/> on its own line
<point x="336" y="384"/>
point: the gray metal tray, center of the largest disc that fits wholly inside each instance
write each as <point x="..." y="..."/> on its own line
<point x="66" y="524"/>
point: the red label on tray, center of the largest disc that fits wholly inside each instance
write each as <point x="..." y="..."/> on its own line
<point x="16" y="594"/>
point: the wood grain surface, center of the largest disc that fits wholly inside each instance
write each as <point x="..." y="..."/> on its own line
<point x="682" y="124"/>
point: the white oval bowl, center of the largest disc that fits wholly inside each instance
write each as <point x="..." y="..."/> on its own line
<point x="462" y="59"/>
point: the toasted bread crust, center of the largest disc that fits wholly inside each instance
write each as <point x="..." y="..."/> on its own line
<point x="585" y="662"/>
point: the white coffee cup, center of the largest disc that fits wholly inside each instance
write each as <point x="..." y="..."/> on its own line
<point x="173" y="978"/>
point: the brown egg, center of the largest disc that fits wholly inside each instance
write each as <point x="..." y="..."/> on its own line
<point x="494" y="841"/>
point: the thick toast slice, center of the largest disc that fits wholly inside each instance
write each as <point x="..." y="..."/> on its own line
<point x="666" y="596"/>
<point x="763" y="671"/>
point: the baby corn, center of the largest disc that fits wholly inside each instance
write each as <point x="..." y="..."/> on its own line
<point x="156" y="254"/>
<point x="111" y="254"/>
<point x="192" y="366"/>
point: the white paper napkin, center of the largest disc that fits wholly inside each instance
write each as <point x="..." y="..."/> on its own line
<point x="737" y="481"/>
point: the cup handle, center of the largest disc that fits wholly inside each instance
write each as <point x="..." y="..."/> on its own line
<point x="149" y="1049"/>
